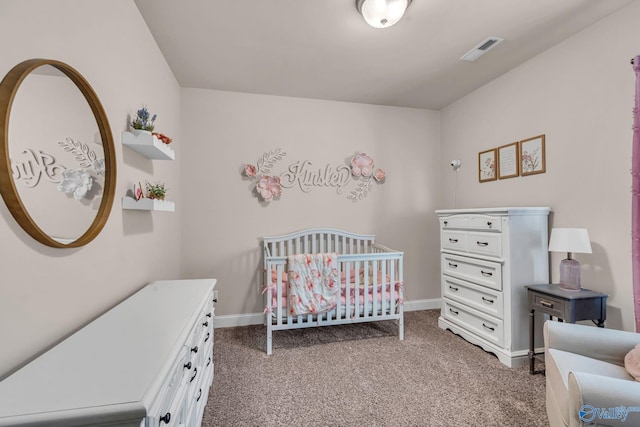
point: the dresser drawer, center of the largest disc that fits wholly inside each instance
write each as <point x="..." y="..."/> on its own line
<point x="454" y="240"/>
<point x="478" y="297"/>
<point x="485" y="273"/>
<point x="471" y="222"/>
<point x="489" y="244"/>
<point x="172" y="385"/>
<point x="480" y="324"/>
<point x="176" y="413"/>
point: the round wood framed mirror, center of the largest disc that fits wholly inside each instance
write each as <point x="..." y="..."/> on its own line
<point x="57" y="155"/>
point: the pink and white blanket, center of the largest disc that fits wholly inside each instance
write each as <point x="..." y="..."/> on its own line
<point x="313" y="285"/>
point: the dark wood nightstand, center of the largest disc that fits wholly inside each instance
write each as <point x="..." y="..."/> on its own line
<point x="566" y="305"/>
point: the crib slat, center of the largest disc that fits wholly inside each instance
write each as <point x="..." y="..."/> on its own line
<point x="365" y="290"/>
<point x="383" y="302"/>
<point x="376" y="288"/>
<point x="369" y="270"/>
<point x="279" y="270"/>
<point x="392" y="287"/>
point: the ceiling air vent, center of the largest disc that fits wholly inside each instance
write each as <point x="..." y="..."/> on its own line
<point x="481" y="49"/>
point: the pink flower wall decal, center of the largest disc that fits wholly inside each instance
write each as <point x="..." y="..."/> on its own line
<point x="379" y="175"/>
<point x="269" y="187"/>
<point x="361" y="164"/>
<point x="250" y="171"/>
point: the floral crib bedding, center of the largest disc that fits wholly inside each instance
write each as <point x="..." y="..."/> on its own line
<point x="366" y="285"/>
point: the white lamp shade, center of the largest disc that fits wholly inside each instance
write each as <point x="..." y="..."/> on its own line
<point x="570" y="240"/>
<point x="382" y="13"/>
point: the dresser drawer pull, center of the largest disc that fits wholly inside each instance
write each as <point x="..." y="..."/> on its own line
<point x="208" y="336"/>
<point x="199" y="396"/>
<point x="488" y="327"/>
<point x="208" y="314"/>
<point x="488" y="223"/>
<point x="205" y="324"/>
<point x="452" y="265"/>
<point x="482" y="243"/>
<point x="187" y="365"/>
<point x="166" y="418"/>
<point x="195" y="372"/>
<point x="453" y="311"/>
<point x="453" y="240"/>
<point x="194" y="349"/>
<point x="546" y="304"/>
<point x="453" y="288"/>
<point x="490" y="301"/>
<point x="446" y="222"/>
<point x="209" y="361"/>
<point x="486" y="273"/>
<point x="215" y="300"/>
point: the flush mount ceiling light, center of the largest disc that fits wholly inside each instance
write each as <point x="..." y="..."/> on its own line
<point x="382" y="13"/>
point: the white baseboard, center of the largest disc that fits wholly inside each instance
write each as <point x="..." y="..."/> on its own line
<point x="231" y="320"/>
<point x="423" y="304"/>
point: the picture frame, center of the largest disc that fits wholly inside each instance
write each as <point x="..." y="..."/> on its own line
<point x="508" y="161"/>
<point x="532" y="156"/>
<point x="487" y="165"/>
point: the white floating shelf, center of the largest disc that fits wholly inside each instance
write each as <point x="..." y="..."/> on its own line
<point x="148" y="145"/>
<point x="148" y="204"/>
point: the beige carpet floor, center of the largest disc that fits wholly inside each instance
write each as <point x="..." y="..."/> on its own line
<point x="362" y="375"/>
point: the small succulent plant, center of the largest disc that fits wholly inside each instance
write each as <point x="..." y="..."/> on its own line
<point x="156" y="191"/>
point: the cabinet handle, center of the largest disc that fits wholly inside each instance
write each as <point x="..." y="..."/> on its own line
<point x="209" y="361"/>
<point x="488" y="327"/>
<point x="489" y="224"/>
<point x="446" y="222"/>
<point x="187" y="365"/>
<point x="195" y="372"/>
<point x="208" y="336"/>
<point x="490" y="301"/>
<point x="453" y="240"/>
<point x="453" y="288"/>
<point x="215" y="300"/>
<point x="453" y="311"/>
<point x="208" y="314"/>
<point x="194" y="349"/>
<point x="546" y="303"/>
<point x="486" y="273"/>
<point x="482" y="243"/>
<point x="199" y="396"/>
<point x="205" y="324"/>
<point x="166" y="418"/>
<point x="452" y="265"/>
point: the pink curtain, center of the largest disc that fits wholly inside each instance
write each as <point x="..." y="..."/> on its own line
<point x="635" y="198"/>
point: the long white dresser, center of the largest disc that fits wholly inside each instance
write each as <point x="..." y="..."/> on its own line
<point x="488" y="256"/>
<point x="146" y="362"/>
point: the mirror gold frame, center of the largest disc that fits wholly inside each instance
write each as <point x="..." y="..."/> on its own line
<point x="8" y="89"/>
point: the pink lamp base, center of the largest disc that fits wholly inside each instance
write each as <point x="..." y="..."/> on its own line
<point x="570" y="274"/>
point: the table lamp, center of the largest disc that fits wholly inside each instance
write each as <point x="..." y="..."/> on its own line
<point x="570" y="240"/>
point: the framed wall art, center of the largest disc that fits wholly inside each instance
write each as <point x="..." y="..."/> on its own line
<point x="487" y="165"/>
<point x="508" y="164"/>
<point x="532" y="156"/>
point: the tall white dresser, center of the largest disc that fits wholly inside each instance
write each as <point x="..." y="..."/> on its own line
<point x="488" y="256"/>
<point x="146" y="362"/>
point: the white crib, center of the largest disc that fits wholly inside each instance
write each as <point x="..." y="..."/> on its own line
<point x="371" y="280"/>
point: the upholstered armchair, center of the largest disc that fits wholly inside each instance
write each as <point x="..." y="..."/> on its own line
<point x="586" y="381"/>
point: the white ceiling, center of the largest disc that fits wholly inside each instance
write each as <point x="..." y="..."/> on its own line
<point x="323" y="48"/>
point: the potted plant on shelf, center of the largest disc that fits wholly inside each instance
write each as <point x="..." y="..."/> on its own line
<point x="156" y="191"/>
<point x="144" y="121"/>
